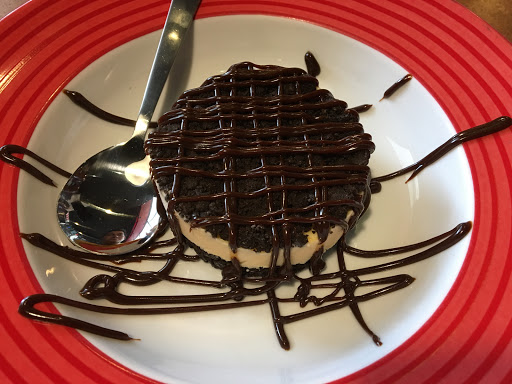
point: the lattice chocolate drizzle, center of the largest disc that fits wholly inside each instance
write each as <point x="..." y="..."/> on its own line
<point x="228" y="119"/>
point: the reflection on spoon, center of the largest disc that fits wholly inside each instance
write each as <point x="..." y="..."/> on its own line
<point x="109" y="205"/>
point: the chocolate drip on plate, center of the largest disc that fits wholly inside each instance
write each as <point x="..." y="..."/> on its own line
<point x="479" y="131"/>
<point x="238" y="294"/>
<point x="362" y="108"/>
<point x="312" y="64"/>
<point x="80" y="100"/>
<point x="7" y="155"/>
<point x="396" y="86"/>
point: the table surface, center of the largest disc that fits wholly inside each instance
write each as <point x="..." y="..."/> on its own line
<point x="498" y="13"/>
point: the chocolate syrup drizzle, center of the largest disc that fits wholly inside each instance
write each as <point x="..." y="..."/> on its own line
<point x="343" y="285"/>
<point x="7" y="155"/>
<point x="236" y="290"/>
<point x="312" y="65"/>
<point x="79" y="99"/>
<point x="396" y="86"/>
<point x="362" y="108"/>
<point x="479" y="131"/>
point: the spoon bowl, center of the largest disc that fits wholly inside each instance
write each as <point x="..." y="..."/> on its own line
<point x="109" y="205"/>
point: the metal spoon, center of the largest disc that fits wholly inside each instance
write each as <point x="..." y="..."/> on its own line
<point x="109" y="205"/>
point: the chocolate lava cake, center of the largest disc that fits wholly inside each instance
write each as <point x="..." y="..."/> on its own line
<point x="259" y="165"/>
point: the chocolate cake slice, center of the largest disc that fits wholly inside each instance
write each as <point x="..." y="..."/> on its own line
<point x="261" y="166"/>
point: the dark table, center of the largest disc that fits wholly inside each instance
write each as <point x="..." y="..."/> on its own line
<point x="498" y="13"/>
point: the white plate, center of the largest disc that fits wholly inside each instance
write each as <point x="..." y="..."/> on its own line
<point x="240" y="345"/>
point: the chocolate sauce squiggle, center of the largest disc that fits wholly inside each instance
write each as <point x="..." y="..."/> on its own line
<point x="452" y="237"/>
<point x="27" y="309"/>
<point x="396" y="86"/>
<point x="312" y="64"/>
<point x="90" y="260"/>
<point x="7" y="155"/>
<point x="345" y="280"/>
<point x="80" y="100"/>
<point x="362" y="108"/>
<point x="461" y="229"/>
<point x="479" y="131"/>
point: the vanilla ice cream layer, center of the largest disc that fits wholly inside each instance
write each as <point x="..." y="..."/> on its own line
<point x="251" y="259"/>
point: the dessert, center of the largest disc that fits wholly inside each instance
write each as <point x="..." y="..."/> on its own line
<point x="259" y="165"/>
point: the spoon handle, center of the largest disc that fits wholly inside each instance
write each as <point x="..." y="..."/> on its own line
<point x="181" y="13"/>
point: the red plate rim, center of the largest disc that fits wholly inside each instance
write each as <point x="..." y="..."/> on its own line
<point x="464" y="64"/>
